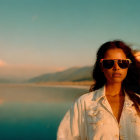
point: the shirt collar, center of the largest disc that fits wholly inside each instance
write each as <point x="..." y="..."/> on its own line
<point x="128" y="101"/>
<point x="100" y="93"/>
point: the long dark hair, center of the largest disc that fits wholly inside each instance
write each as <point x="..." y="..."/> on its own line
<point x="131" y="83"/>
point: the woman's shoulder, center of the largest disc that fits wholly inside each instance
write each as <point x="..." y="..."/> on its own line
<point x="90" y="96"/>
<point x="86" y="96"/>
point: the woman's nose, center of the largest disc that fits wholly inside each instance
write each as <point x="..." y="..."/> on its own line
<point x="116" y="66"/>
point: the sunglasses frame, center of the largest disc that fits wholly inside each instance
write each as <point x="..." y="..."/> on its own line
<point x="115" y="60"/>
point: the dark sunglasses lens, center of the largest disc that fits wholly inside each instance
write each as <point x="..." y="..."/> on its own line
<point x="123" y="64"/>
<point x="107" y="64"/>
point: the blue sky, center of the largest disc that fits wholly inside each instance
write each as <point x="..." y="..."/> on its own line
<point x="41" y="36"/>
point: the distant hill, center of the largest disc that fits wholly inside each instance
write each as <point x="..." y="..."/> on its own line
<point x="72" y="74"/>
<point x="5" y="81"/>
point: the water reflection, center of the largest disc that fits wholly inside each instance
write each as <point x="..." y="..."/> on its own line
<point x="29" y="113"/>
<point x="39" y="94"/>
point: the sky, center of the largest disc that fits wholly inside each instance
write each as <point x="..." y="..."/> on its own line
<point x="45" y="36"/>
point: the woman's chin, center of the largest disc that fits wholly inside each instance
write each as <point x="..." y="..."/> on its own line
<point x="116" y="80"/>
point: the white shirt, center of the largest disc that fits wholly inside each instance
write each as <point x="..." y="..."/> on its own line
<point x="91" y="118"/>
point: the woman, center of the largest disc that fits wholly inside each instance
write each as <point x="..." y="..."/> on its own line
<point x="111" y="111"/>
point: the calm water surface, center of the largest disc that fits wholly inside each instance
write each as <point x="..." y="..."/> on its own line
<point x="34" y="113"/>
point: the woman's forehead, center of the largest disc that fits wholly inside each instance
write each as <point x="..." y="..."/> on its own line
<point x="115" y="53"/>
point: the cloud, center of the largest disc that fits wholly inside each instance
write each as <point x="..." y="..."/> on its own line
<point x="2" y="63"/>
<point x="25" y="71"/>
<point x="60" y="69"/>
<point x="1" y="101"/>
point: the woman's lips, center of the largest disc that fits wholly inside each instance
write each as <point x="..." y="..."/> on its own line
<point x="116" y="75"/>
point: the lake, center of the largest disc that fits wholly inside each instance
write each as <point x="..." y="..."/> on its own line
<point x="33" y="112"/>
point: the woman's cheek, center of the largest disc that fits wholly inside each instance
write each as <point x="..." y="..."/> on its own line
<point x="108" y="74"/>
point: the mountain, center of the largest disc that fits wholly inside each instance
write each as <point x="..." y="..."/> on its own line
<point x="71" y="74"/>
<point x="6" y="81"/>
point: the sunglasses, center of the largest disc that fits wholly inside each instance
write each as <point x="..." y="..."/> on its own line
<point x="109" y="63"/>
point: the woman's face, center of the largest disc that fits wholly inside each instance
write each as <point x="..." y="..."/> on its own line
<point x="115" y="74"/>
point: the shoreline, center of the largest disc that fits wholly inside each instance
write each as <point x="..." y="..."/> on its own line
<point x="68" y="84"/>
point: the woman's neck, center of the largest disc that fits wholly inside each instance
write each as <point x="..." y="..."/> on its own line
<point x="113" y="89"/>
